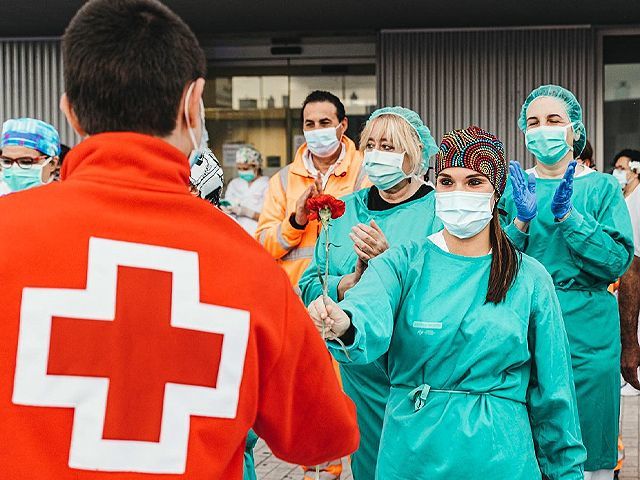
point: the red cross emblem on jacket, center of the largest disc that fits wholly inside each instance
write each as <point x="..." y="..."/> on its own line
<point x="63" y="357"/>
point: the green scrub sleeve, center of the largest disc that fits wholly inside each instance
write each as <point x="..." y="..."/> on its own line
<point x="551" y="396"/>
<point x="372" y="305"/>
<point x="310" y="285"/>
<point x="519" y="238"/>
<point x="604" y="244"/>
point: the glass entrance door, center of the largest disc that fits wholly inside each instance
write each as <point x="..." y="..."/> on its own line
<point x="264" y="109"/>
<point x="621" y="119"/>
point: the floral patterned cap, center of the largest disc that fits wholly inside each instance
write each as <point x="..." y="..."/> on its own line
<point x="475" y="149"/>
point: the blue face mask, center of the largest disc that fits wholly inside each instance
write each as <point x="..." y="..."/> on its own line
<point x="548" y="144"/>
<point x="247" y="175"/>
<point x="384" y="169"/>
<point x="18" y="179"/>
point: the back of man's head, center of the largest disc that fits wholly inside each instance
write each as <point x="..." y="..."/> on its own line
<point x="126" y="65"/>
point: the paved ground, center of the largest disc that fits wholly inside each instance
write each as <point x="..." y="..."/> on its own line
<point x="630" y="424"/>
<point x="270" y="468"/>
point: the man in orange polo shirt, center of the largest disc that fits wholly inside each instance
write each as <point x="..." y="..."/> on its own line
<point x="142" y="331"/>
<point x="327" y="162"/>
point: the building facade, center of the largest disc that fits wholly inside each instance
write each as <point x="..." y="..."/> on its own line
<point x="452" y="77"/>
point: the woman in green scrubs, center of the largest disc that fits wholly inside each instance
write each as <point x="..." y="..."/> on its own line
<point x="478" y="358"/>
<point x="574" y="221"/>
<point x="399" y="207"/>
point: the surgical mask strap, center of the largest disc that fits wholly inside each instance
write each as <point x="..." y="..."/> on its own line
<point x="566" y="127"/>
<point x="186" y="115"/>
<point x="47" y="162"/>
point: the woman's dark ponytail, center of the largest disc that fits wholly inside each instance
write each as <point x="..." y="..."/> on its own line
<point x="505" y="262"/>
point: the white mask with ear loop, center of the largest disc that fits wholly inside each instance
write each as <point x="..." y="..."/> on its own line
<point x="465" y="214"/>
<point x="199" y="149"/>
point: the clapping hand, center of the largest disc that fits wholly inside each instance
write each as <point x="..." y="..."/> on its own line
<point x="561" y="204"/>
<point x="368" y="240"/>
<point x="302" y="212"/>
<point x="524" y="192"/>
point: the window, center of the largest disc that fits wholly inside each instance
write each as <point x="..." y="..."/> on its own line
<point x="621" y="95"/>
<point x="264" y="111"/>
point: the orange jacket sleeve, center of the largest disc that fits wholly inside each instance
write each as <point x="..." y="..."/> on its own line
<point x="303" y="415"/>
<point x="275" y="233"/>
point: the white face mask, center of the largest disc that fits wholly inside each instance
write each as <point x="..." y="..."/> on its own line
<point x="621" y="177"/>
<point x="199" y="148"/>
<point x="323" y="141"/>
<point x="464" y="214"/>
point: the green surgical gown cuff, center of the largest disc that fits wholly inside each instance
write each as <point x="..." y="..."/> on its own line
<point x="517" y="236"/>
<point x="351" y="353"/>
<point x="573" y="223"/>
<point x="333" y="282"/>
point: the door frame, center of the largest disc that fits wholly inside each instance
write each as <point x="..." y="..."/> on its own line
<point x="600" y="34"/>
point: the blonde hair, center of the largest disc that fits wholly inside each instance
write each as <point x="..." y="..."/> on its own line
<point x="397" y="131"/>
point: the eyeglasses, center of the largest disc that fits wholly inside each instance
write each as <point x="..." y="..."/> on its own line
<point x="22" y="162"/>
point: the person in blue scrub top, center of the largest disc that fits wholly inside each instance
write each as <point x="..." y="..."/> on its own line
<point x="575" y="222"/>
<point x="399" y="207"/>
<point x="478" y="357"/>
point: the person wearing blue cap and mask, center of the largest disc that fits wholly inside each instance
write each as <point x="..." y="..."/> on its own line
<point x="574" y="221"/>
<point x="399" y="207"/>
<point x="29" y="155"/>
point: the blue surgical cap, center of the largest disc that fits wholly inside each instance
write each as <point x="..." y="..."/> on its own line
<point x="574" y="111"/>
<point x="429" y="146"/>
<point x="31" y="133"/>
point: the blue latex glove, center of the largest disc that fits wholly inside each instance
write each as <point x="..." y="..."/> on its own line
<point x="524" y="192"/>
<point x="561" y="203"/>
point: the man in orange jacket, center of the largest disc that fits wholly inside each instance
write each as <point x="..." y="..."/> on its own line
<point x="142" y="332"/>
<point x="327" y="162"/>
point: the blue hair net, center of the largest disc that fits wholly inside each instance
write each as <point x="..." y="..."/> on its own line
<point x="574" y="111"/>
<point x="30" y="133"/>
<point x="429" y="146"/>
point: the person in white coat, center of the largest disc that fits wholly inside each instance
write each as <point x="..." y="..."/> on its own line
<point x="245" y="194"/>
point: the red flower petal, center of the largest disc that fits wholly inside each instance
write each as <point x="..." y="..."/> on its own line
<point x="317" y="203"/>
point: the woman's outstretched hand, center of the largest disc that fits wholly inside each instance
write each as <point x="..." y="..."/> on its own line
<point x="561" y="204"/>
<point x="329" y="317"/>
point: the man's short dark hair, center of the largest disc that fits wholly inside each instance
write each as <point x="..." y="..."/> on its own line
<point x="318" y="96"/>
<point x="126" y="64"/>
<point x="634" y="155"/>
<point x="587" y="152"/>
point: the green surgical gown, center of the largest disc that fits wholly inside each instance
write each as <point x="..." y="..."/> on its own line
<point x="366" y="385"/>
<point x="478" y="390"/>
<point x="584" y="254"/>
<point x="249" y="472"/>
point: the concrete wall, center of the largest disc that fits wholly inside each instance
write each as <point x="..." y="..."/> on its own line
<point x="31" y="83"/>
<point x="458" y="78"/>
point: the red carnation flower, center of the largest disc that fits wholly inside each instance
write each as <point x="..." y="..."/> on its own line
<point x="329" y="203"/>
